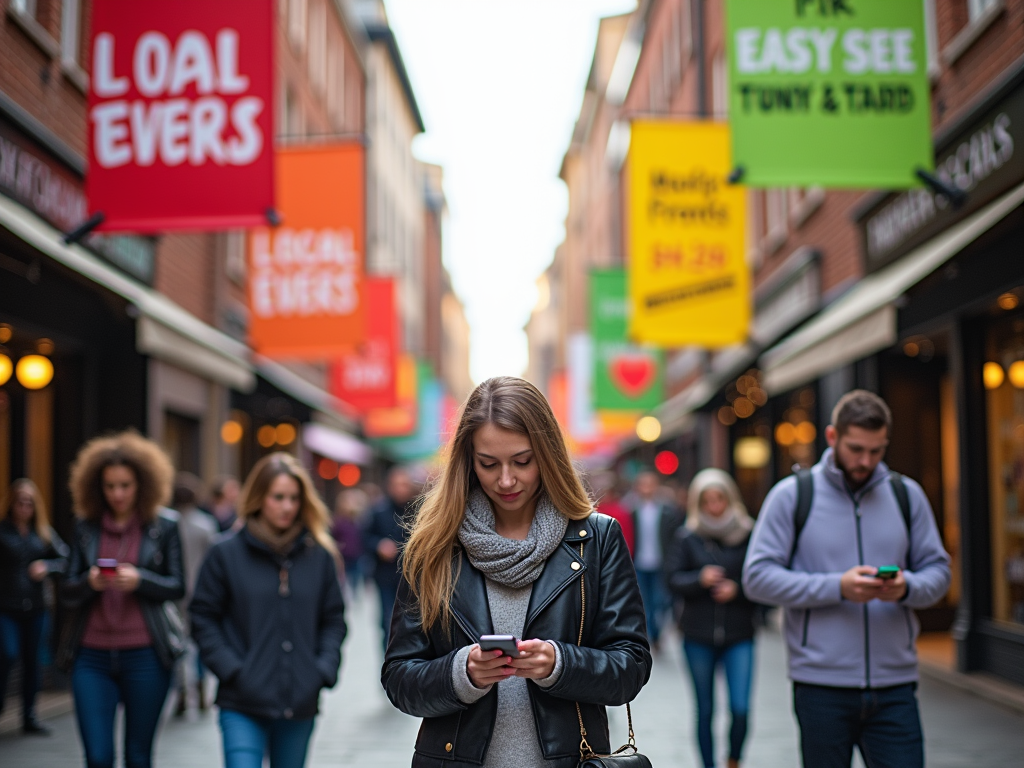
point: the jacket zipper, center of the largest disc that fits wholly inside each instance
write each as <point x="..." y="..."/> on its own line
<point x="867" y="624"/>
<point x="807" y="624"/>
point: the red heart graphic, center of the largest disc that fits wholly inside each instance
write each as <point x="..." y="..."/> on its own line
<point x="632" y="373"/>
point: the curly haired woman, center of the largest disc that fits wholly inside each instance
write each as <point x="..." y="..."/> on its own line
<point x="124" y="633"/>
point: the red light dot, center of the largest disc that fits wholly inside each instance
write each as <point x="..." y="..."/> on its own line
<point x="327" y="469"/>
<point x="349" y="474"/>
<point x="666" y="462"/>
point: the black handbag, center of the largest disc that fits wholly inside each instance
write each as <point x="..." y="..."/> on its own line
<point x="626" y="756"/>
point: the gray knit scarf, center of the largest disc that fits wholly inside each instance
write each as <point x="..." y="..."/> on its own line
<point x="515" y="564"/>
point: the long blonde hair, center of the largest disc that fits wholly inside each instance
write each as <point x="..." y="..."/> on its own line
<point x="509" y="403"/>
<point x="312" y="511"/>
<point x="41" y="518"/>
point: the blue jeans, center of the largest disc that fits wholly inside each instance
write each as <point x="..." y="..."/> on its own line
<point x="248" y="739"/>
<point x="20" y="636"/>
<point x="884" y="723"/>
<point x="102" y="679"/>
<point x="653" y="593"/>
<point x="738" y="660"/>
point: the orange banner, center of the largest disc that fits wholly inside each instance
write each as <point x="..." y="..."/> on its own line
<point x="306" y="276"/>
<point x="399" y="421"/>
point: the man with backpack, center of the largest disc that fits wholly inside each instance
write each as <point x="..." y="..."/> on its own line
<point x="849" y="550"/>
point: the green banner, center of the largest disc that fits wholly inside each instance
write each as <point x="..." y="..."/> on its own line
<point x="829" y="92"/>
<point x="626" y="377"/>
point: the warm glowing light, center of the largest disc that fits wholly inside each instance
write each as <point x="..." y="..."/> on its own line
<point x="34" y="371"/>
<point x="231" y="432"/>
<point x="44" y="347"/>
<point x="911" y="349"/>
<point x="266" y="436"/>
<point x="805" y="432"/>
<point x="349" y="474"/>
<point x="727" y="415"/>
<point x="757" y="396"/>
<point x="648" y="429"/>
<point x="785" y="434"/>
<point x="6" y="369"/>
<point x="5" y="333"/>
<point x="993" y="376"/>
<point x="666" y="462"/>
<point x="327" y="469"/>
<point x="1008" y="301"/>
<point x="752" y="453"/>
<point x="743" y="407"/>
<point x="285" y="434"/>
<point x="1016" y="374"/>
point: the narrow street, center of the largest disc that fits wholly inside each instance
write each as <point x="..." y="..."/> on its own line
<point x="359" y="727"/>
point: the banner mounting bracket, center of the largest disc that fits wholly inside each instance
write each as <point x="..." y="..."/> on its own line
<point x="956" y="196"/>
<point x="83" y="229"/>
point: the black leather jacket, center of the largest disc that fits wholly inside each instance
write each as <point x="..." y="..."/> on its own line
<point x="608" y="669"/>
<point x="18" y="592"/>
<point x="161" y="580"/>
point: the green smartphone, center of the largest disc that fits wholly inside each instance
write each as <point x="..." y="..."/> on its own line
<point x="887" y="572"/>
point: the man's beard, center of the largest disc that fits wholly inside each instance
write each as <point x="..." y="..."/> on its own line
<point x="853" y="480"/>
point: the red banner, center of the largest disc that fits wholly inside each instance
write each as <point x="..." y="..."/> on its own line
<point x="399" y="421"/>
<point x="306" y="276"/>
<point x="366" y="379"/>
<point x="181" y="114"/>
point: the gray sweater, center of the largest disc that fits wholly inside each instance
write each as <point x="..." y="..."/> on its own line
<point x="514" y="741"/>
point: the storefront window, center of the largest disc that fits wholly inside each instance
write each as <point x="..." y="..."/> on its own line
<point x="796" y="432"/>
<point x="1003" y="375"/>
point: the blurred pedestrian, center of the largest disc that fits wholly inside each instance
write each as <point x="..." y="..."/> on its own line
<point x="609" y="502"/>
<point x="654" y="525"/>
<point x="223" y="500"/>
<point x="30" y="551"/>
<point x="385" y="536"/>
<point x="703" y="566"/>
<point x="123" y="633"/>
<point x="199" y="532"/>
<point x="269" y="617"/>
<point x="349" y="509"/>
<point x="850" y="550"/>
<point x="503" y="543"/>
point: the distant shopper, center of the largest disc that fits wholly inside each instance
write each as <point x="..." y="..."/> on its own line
<point x="385" y="535"/>
<point x="610" y="503"/>
<point x="822" y="541"/>
<point x="30" y="551"/>
<point x="223" y="500"/>
<point x="199" y="532"/>
<point x="349" y="509"/>
<point x="124" y="633"/>
<point x="269" y="618"/>
<point x="654" y="524"/>
<point x="703" y="567"/>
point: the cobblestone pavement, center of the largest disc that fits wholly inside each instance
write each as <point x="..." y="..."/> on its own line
<point x="358" y="726"/>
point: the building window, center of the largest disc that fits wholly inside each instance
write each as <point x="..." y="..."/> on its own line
<point x="720" y="86"/>
<point x="298" y="14"/>
<point x="685" y="28"/>
<point x="70" y="31"/>
<point x="318" y="47"/>
<point x="803" y="202"/>
<point x="27" y="7"/>
<point x="776" y="219"/>
<point x="977" y="8"/>
<point x="931" y="34"/>
<point x="336" y="87"/>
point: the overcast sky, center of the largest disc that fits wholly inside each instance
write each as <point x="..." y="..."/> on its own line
<point x="499" y="84"/>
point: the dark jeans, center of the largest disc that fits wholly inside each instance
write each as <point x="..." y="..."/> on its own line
<point x="653" y="593"/>
<point x="388" y="595"/>
<point x="20" y="635"/>
<point x="738" y="661"/>
<point x="247" y="739"/>
<point x="102" y="679"/>
<point x="884" y="723"/>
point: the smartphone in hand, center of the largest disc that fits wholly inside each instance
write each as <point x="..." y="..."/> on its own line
<point x="887" y="572"/>
<point x="107" y="566"/>
<point x="507" y="644"/>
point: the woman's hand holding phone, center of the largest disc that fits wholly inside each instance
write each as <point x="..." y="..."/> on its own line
<point x="536" y="659"/>
<point x="97" y="580"/>
<point x="488" y="667"/>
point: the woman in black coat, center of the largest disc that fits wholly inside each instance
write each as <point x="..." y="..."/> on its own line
<point x="269" y="618"/>
<point x="506" y="543"/>
<point x="704" y="566"/>
<point x="30" y="551"/>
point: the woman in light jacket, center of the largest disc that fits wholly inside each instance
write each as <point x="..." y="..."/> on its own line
<point x="703" y="567"/>
<point x="506" y="543"/>
<point x="123" y="633"/>
<point x="269" y="618"/>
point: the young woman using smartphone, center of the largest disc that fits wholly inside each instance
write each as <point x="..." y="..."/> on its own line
<point x="500" y="546"/>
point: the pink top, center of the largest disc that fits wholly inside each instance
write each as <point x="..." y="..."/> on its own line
<point x="116" y="622"/>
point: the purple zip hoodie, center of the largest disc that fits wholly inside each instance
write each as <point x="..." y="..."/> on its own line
<point x="832" y="641"/>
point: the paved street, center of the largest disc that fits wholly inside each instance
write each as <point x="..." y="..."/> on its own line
<point x="359" y="727"/>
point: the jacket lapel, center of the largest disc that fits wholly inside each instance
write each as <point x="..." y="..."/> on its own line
<point x="469" y="602"/>
<point x="562" y="569"/>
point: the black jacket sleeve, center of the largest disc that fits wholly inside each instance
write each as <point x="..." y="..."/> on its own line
<point x="56" y="557"/>
<point x="207" y="609"/>
<point x="332" y="630"/>
<point x="682" y="570"/>
<point x="615" y="661"/>
<point x="416" y="680"/>
<point x="75" y="591"/>
<point x="159" y="587"/>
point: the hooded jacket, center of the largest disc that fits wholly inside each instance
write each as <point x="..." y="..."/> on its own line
<point x="833" y="641"/>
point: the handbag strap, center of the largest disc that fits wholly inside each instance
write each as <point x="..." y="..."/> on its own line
<point x="586" y="751"/>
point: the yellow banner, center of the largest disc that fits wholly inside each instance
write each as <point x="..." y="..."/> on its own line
<point x="689" y="283"/>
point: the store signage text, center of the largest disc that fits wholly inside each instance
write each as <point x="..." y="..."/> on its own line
<point x="29" y="179"/>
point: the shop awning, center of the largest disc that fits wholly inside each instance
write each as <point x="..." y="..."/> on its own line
<point x="337" y="445"/>
<point x="165" y="331"/>
<point x="864" y="320"/>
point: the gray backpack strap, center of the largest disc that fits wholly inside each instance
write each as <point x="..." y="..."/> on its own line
<point x="903" y="499"/>
<point x="804" y="500"/>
